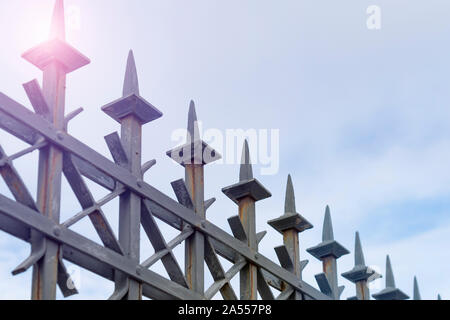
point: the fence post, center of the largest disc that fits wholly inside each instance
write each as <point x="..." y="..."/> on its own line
<point x="360" y="275"/>
<point x="194" y="155"/>
<point x="51" y="58"/>
<point x="290" y="224"/>
<point x="245" y="194"/>
<point x="132" y="112"/>
<point x="390" y="292"/>
<point x="328" y="251"/>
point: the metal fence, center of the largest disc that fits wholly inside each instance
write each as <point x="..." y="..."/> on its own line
<point x="37" y="221"/>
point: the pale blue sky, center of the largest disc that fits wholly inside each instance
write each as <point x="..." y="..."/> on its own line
<point x="363" y="114"/>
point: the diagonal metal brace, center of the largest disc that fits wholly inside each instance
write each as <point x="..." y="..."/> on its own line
<point x="303" y="264"/>
<point x="147" y="166"/>
<point x="285" y="258"/>
<point x="37" y="252"/>
<point x="260" y="236"/>
<point x="116" y="148"/>
<point x="71" y="116"/>
<point x="182" y="193"/>
<point x="65" y="282"/>
<point x="208" y="203"/>
<point x="263" y="287"/>
<point x="323" y="284"/>
<point x="120" y="292"/>
<point x="37" y="99"/>
<point x="237" y="228"/>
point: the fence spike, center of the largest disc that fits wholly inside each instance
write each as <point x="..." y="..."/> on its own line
<point x="246" y="171"/>
<point x="361" y="274"/>
<point x="131" y="82"/>
<point x="290" y="224"/>
<point x="131" y="103"/>
<point x="390" y="281"/>
<point x="58" y="29"/>
<point x="416" y="295"/>
<point x="289" y="203"/>
<point x="390" y="292"/>
<point x="246" y="193"/>
<point x="359" y="255"/>
<point x="327" y="231"/>
<point x="193" y="130"/>
<point x="328" y="251"/>
<point x="194" y="151"/>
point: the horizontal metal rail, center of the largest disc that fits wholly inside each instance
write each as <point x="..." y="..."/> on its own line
<point x="39" y="127"/>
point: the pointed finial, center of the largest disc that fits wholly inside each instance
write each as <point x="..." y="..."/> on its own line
<point x="131" y="83"/>
<point x="327" y="233"/>
<point x="359" y="255"/>
<point x="246" y="172"/>
<point x="390" y="282"/>
<point x="58" y="28"/>
<point x="193" y="130"/>
<point x="439" y="297"/>
<point x="416" y="295"/>
<point x="289" y="203"/>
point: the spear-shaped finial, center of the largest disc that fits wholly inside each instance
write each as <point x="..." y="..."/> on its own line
<point x="390" y="282"/>
<point x="289" y="204"/>
<point x="58" y="28"/>
<point x="246" y="171"/>
<point x="390" y="292"/>
<point x="359" y="255"/>
<point x="131" y="82"/>
<point x="416" y="295"/>
<point x="56" y="49"/>
<point x="327" y="232"/>
<point x="193" y="130"/>
<point x="131" y="103"/>
<point x="361" y="274"/>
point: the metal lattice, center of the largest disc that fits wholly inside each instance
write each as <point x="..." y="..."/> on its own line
<point x="37" y="221"/>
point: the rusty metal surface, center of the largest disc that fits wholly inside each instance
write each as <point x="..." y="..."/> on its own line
<point x="37" y="221"/>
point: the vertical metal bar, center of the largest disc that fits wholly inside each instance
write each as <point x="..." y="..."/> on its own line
<point x="248" y="275"/>
<point x="49" y="184"/>
<point x="54" y="65"/>
<point x="290" y="224"/>
<point x="130" y="203"/>
<point x="245" y="194"/>
<point x="362" y="290"/>
<point x="194" y="155"/>
<point x="330" y="269"/>
<point x="132" y="112"/>
<point x="195" y="244"/>
<point x="290" y="240"/>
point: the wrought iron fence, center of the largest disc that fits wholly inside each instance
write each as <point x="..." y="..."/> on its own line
<point x="52" y="241"/>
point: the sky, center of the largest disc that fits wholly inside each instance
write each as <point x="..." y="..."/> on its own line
<point x="362" y="116"/>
